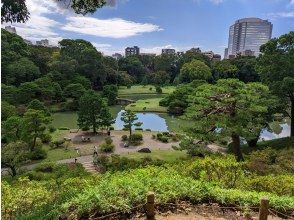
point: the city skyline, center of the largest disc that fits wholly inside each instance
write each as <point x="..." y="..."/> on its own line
<point x="153" y="25"/>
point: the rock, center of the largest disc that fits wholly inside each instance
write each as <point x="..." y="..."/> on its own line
<point x="144" y="150"/>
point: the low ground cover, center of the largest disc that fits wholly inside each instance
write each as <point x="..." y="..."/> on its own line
<point x="141" y="89"/>
<point x="146" y="105"/>
<point x="215" y="178"/>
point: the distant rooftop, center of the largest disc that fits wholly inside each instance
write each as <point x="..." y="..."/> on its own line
<point x="249" y="20"/>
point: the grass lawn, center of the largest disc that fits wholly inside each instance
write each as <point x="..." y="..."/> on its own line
<point x="166" y="155"/>
<point x="65" y="119"/>
<point x="140" y="89"/>
<point x="58" y="154"/>
<point x="146" y="105"/>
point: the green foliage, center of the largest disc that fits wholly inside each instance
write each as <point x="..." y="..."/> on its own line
<point x="237" y="108"/>
<point x="74" y="91"/>
<point x="130" y="119"/>
<point x="124" y="137"/>
<point x="35" y="122"/>
<point x="224" y="69"/>
<point x="38" y="153"/>
<point x="94" y="112"/>
<point x="57" y="143"/>
<point x="37" y="105"/>
<point x="158" y="89"/>
<point x="13" y="154"/>
<point x="195" y="70"/>
<point x="7" y="110"/>
<point x="51" y="128"/>
<point x="107" y="148"/>
<point x="275" y="66"/>
<point x="110" y="92"/>
<point x="136" y="138"/>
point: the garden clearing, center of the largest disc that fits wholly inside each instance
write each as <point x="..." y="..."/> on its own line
<point x="146" y="105"/>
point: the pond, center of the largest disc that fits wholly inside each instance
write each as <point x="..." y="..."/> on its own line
<point x="164" y="122"/>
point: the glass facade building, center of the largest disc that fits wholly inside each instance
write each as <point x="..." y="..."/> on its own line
<point x="248" y="34"/>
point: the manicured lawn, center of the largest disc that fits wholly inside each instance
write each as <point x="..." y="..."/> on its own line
<point x="140" y="89"/>
<point x="65" y="119"/>
<point x="58" y="154"/>
<point x="166" y="155"/>
<point x="146" y="105"/>
<point x="136" y="97"/>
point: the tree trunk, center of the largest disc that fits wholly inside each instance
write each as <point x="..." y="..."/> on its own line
<point x="13" y="170"/>
<point x="130" y="131"/>
<point x="34" y="143"/>
<point x="237" y="147"/>
<point x="292" y="118"/>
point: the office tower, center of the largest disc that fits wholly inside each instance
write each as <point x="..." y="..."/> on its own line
<point x="248" y="34"/>
<point x="129" y="51"/>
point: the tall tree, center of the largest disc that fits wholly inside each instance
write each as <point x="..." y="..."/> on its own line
<point x="130" y="119"/>
<point x="7" y="110"/>
<point x="12" y="129"/>
<point x="229" y="108"/>
<point x="276" y="68"/>
<point x="195" y="70"/>
<point x="13" y="154"/>
<point x="224" y="69"/>
<point x="110" y="92"/>
<point x="93" y="111"/>
<point x="34" y="126"/>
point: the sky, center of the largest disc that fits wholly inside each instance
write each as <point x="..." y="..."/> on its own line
<point x="152" y="24"/>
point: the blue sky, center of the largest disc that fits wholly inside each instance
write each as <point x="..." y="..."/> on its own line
<point x="153" y="24"/>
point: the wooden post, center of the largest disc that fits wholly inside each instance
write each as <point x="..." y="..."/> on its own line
<point x="263" y="209"/>
<point x="150" y="209"/>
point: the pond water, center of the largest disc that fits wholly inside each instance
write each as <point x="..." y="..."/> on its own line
<point x="164" y="122"/>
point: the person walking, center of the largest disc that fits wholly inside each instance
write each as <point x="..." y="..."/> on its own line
<point x="95" y="150"/>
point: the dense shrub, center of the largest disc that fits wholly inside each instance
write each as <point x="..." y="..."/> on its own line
<point x="136" y="138"/>
<point x="158" y="89"/>
<point x="147" y="129"/>
<point x="139" y="129"/>
<point x="51" y="129"/>
<point x="46" y="138"/>
<point x="108" y="140"/>
<point x="111" y="128"/>
<point x="38" y="154"/>
<point x="57" y="143"/>
<point x="63" y="128"/>
<point x="107" y="148"/>
<point x="124" y="137"/>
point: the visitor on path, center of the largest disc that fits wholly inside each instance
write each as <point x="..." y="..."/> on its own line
<point x="76" y="160"/>
<point x="95" y="150"/>
<point x="108" y="132"/>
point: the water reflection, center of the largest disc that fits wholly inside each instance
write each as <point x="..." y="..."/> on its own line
<point x="164" y="122"/>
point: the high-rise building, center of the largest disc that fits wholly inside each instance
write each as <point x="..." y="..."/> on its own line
<point x="248" y="34"/>
<point x="129" y="51"/>
<point x="10" y="29"/>
<point x="117" y="56"/>
<point x="44" y="43"/>
<point x="168" y="51"/>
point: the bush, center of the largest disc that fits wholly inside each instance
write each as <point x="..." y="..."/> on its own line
<point x="108" y="140"/>
<point x="45" y="167"/>
<point x="153" y="136"/>
<point x="106" y="148"/>
<point x="111" y="128"/>
<point x="46" y="138"/>
<point x="150" y="88"/>
<point x="147" y="129"/>
<point x="136" y="138"/>
<point x="129" y="86"/>
<point x="175" y="138"/>
<point x="163" y="139"/>
<point x="57" y="143"/>
<point x="63" y="128"/>
<point x="166" y="133"/>
<point x="85" y="129"/>
<point x="158" y="89"/>
<point x="125" y="129"/>
<point x="51" y="129"/>
<point x="139" y="129"/>
<point x="38" y="154"/>
<point x="159" y="135"/>
<point x="124" y="137"/>
<point x="144" y="108"/>
<point x="144" y="150"/>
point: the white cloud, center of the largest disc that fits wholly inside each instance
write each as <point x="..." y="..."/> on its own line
<point x="289" y="14"/>
<point x="216" y="2"/>
<point x="114" y="28"/>
<point x="157" y="49"/>
<point x="39" y="26"/>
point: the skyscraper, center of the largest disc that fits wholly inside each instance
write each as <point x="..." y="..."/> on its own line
<point x="248" y="34"/>
<point x="129" y="51"/>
